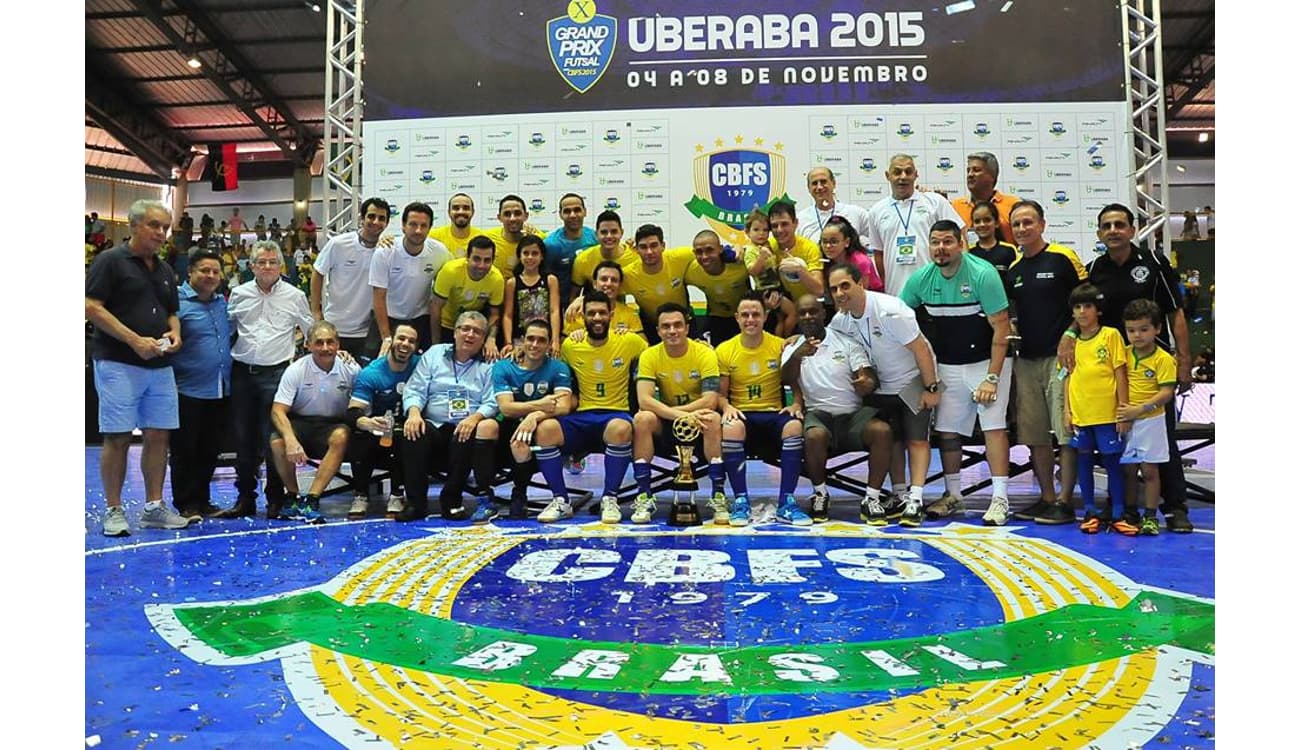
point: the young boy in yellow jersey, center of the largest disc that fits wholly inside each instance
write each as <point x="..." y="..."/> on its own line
<point x="1152" y="377"/>
<point x="1094" y="391"/>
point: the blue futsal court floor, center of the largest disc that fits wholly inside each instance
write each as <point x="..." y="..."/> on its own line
<point x="249" y="633"/>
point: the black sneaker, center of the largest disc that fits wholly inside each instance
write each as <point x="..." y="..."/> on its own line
<point x="911" y="516"/>
<point x="1177" y="521"/>
<point x="1032" y="512"/>
<point x="871" y="511"/>
<point x="518" y="504"/>
<point x="1131" y="516"/>
<point x="894" y="504"/>
<point x="1055" y="514"/>
<point x="456" y="514"/>
<point x="821" y="507"/>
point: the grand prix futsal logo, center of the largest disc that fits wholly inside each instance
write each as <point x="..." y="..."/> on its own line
<point x="731" y="182"/>
<point x="581" y="44"/>
<point x="845" y="636"/>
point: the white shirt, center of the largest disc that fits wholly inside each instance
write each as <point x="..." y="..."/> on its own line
<point x="885" y="329"/>
<point x="812" y="219"/>
<point x="346" y="298"/>
<point x="265" y="322"/>
<point x="890" y="219"/>
<point x="826" y="376"/>
<point x="309" y="391"/>
<point x="408" y="278"/>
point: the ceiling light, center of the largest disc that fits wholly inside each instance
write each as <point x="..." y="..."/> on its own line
<point x="194" y="62"/>
<point x="315" y="7"/>
<point x="1203" y="137"/>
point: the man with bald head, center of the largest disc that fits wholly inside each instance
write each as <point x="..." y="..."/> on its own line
<point x="899" y="229"/>
<point x="722" y="282"/>
<point x="812" y="217"/>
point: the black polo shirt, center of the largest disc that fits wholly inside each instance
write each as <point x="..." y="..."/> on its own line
<point x="1000" y="256"/>
<point x="1144" y="276"/>
<point x="140" y="298"/>
<point x="1040" y="289"/>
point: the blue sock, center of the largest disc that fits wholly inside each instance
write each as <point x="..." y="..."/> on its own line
<point x="717" y="476"/>
<point x="733" y="460"/>
<point x="791" y="464"/>
<point x="641" y="470"/>
<point x="617" y="457"/>
<point x="1086" y="489"/>
<point x="1114" y="483"/>
<point x="552" y="468"/>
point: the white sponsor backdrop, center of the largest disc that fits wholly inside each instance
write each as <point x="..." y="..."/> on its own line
<point x="1073" y="158"/>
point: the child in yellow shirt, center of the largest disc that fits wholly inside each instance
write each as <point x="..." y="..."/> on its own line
<point x="1152" y="377"/>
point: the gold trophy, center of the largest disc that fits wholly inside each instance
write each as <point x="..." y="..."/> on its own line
<point x="686" y="430"/>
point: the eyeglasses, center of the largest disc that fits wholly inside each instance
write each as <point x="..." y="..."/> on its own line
<point x="470" y="329"/>
<point x="267" y="263"/>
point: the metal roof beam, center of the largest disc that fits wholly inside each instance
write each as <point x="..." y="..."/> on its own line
<point x="251" y="42"/>
<point x="133" y="125"/>
<point x="1188" y="73"/>
<point x="122" y="174"/>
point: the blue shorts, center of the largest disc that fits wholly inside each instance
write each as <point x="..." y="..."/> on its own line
<point x="1098" y="437"/>
<point x="584" y="431"/>
<point x="763" y="432"/>
<point x="131" y="397"/>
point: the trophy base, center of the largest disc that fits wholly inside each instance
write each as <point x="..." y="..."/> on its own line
<point x="684" y="512"/>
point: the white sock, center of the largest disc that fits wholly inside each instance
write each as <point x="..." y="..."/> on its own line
<point x="914" y="494"/>
<point x="952" y="484"/>
<point x="872" y="494"/>
<point x="999" y="487"/>
<point x="821" y="489"/>
<point x="153" y="505"/>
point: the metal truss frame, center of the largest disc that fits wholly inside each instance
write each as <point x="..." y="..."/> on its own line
<point x="344" y="58"/>
<point x="1144" y="88"/>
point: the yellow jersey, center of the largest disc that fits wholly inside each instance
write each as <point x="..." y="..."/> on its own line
<point x="601" y="373"/>
<point x="680" y="379"/>
<point x="459" y="248"/>
<point x="626" y="319"/>
<point x="723" y="292"/>
<point x="507" y="254"/>
<point x="1093" y="399"/>
<point x="462" y="293"/>
<point x="811" y="254"/>
<point x="1147" y="375"/>
<point x="754" y="375"/>
<point x="668" y="285"/>
<point x="584" y="264"/>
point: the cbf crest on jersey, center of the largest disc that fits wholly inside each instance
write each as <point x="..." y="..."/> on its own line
<point x="731" y="182"/>
<point x="581" y="44"/>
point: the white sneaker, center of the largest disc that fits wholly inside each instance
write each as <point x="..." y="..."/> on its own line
<point x="609" y="510"/>
<point x="115" y="522"/>
<point x="558" y="508"/>
<point x="721" y="516"/>
<point x="643" y="508"/>
<point x="360" y="506"/>
<point x="395" y="505"/>
<point x="162" y="518"/>
<point x="996" y="515"/>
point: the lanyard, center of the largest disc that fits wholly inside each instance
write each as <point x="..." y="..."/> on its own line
<point x="817" y="212"/>
<point x="910" y="205"/>
<point x="864" y="324"/>
<point x="456" y="371"/>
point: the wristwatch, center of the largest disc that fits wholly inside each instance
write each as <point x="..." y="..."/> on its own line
<point x="934" y="387"/>
<point x="992" y="377"/>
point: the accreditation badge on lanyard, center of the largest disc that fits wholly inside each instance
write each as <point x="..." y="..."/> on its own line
<point x="905" y="244"/>
<point x="457" y="403"/>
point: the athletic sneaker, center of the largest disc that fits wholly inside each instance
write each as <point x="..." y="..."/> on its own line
<point x="519" y="503"/>
<point x="894" y="503"/>
<point x="1055" y="514"/>
<point x="740" y="511"/>
<point x="820" y="504"/>
<point x="997" y="513"/>
<point x="1123" y="526"/>
<point x="455" y="514"/>
<point x="1150" y="526"/>
<point x="871" y="511"/>
<point x="719" y="505"/>
<point x="643" y="508"/>
<point x="1032" y="512"/>
<point x="395" y="505"/>
<point x="360" y="506"/>
<point x="485" y="512"/>
<point x="1177" y="522"/>
<point x="555" y="510"/>
<point x="790" y="513"/>
<point x="1094" y="524"/>
<point x="609" y="510"/>
<point x="1132" y="517"/>
<point x="945" y="506"/>
<point x="302" y="509"/>
<point x="575" y="465"/>
<point x="115" y="522"/>
<point x="162" y="517"/>
<point x="911" y="517"/>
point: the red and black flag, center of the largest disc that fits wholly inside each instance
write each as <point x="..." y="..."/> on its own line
<point x="223" y="166"/>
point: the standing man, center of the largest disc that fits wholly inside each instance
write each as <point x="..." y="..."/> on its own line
<point x="903" y="360"/>
<point x="563" y="244"/>
<point x="450" y="412"/>
<point x="1125" y="273"/>
<point x="236" y="228"/>
<point x="813" y="217"/>
<point x="751" y="400"/>
<point x="374" y="412"/>
<point x="131" y="300"/>
<point x="899" y="229"/>
<point x="259" y="227"/>
<point x="798" y="259"/>
<point x="308" y="419"/>
<point x="609" y="233"/>
<point x="264" y="313"/>
<point x="674" y="378"/>
<point x="464" y="284"/>
<point x="965" y="299"/>
<point x="457" y="234"/>
<point x="658" y="277"/>
<point x="1039" y="283"/>
<point x="601" y="366"/>
<point x="723" y="285"/>
<point x="981" y="181"/>
<point x="513" y="214"/>
<point x="341" y="274"/>
<point x="401" y="278"/>
<point x="185" y="236"/>
<point x="202" y="371"/>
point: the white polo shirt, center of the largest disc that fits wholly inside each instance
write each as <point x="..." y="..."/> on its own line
<point x="309" y="391"/>
<point x="408" y="278"/>
<point x="347" y="300"/>
<point x="901" y="230"/>
<point x="826" y="377"/>
<point x="812" y="219"/>
<point x="885" y="329"/>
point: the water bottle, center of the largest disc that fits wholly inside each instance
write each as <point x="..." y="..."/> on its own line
<point x="386" y="437"/>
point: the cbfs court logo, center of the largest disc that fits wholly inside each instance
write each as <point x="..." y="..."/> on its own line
<point x="731" y="182"/>
<point x="581" y="44"/>
<point x="845" y="636"/>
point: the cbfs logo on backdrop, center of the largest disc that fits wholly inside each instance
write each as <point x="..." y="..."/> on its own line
<point x="492" y="637"/>
<point x="731" y="182"/>
<point x="581" y="44"/>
